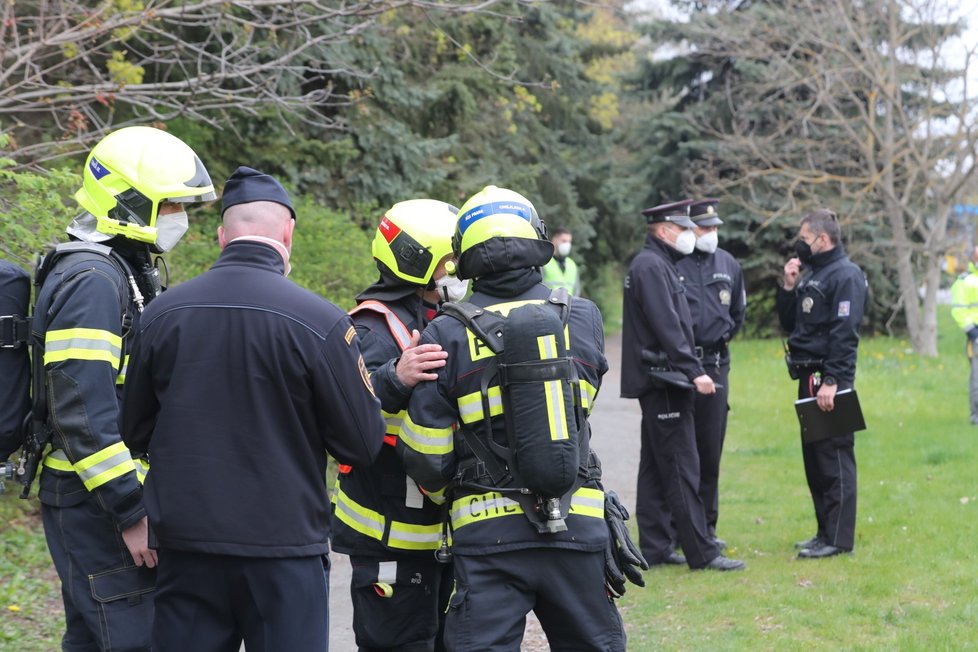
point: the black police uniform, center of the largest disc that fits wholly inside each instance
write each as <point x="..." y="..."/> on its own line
<point x="503" y="567"/>
<point x="656" y="318"/>
<point x="15" y="291"/>
<point x="89" y="484"/>
<point x="239" y="383"/>
<point x="823" y="314"/>
<point x="715" y="293"/>
<point x="380" y="516"/>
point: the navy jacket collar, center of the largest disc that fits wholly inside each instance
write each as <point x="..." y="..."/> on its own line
<point x="251" y="254"/>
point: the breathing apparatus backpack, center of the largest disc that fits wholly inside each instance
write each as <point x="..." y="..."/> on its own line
<point x="542" y="462"/>
<point x="18" y="330"/>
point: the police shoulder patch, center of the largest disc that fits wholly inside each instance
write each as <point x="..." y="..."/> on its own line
<point x="843" y="309"/>
<point x="351" y="332"/>
<point x="364" y="374"/>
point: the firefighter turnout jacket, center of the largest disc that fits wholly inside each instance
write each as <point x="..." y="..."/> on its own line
<point x="378" y="510"/>
<point x="85" y="314"/>
<point x="656" y="319"/>
<point x="239" y="383"/>
<point x="440" y="413"/>
<point x="823" y="313"/>
<point x="964" y="299"/>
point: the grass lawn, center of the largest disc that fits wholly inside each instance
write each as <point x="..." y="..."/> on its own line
<point x="912" y="583"/>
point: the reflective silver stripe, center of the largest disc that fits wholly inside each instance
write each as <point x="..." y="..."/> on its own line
<point x="472" y="409"/>
<point x="467" y="510"/>
<point x="583" y="501"/>
<point x="416" y="537"/>
<point x="59" y="454"/>
<point x="121" y="457"/>
<point x="86" y="343"/>
<point x="371" y="527"/>
<point x="394" y="420"/>
<point x="423" y="442"/>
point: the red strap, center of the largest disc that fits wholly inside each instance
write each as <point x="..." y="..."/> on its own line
<point x="390" y="440"/>
<point x="345" y="468"/>
<point x="397" y="328"/>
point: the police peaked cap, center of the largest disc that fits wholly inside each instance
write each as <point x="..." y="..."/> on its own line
<point x="676" y="212"/>
<point x="247" y="185"/>
<point x="704" y="212"/>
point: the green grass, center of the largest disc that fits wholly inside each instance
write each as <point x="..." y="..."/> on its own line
<point x="911" y="584"/>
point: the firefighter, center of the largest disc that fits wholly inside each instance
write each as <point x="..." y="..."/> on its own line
<point x="136" y="184"/>
<point x="656" y="322"/>
<point x="240" y="382"/>
<point x="715" y="293"/>
<point x="507" y="560"/>
<point x="381" y="519"/>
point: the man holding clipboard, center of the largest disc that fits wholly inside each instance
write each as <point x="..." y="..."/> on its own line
<point x="821" y="305"/>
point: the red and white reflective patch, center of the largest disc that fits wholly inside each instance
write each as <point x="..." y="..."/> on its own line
<point x="843" y="308"/>
<point x="389" y="229"/>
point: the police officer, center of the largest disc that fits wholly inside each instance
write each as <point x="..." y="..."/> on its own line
<point x="15" y="292"/>
<point x="504" y="565"/>
<point x="715" y="294"/>
<point x="656" y="320"/>
<point x="964" y="310"/>
<point x="821" y="304"/>
<point x="561" y="271"/>
<point x="381" y="519"/>
<point x="239" y="383"/>
<point x="136" y="183"/>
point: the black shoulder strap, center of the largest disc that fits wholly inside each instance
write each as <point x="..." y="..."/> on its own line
<point x="485" y="324"/>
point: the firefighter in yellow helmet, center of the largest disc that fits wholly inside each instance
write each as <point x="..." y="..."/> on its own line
<point x="381" y="519"/>
<point x="137" y="183"/>
<point x="964" y="310"/>
<point x="501" y="437"/>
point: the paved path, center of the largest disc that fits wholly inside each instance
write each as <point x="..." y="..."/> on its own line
<point x="615" y="436"/>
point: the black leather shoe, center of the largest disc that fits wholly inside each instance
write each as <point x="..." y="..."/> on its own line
<point x="672" y="559"/>
<point x="721" y="563"/>
<point x="814" y="542"/>
<point x="824" y="550"/>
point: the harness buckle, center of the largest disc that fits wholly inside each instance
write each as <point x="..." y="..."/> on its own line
<point x="14" y="331"/>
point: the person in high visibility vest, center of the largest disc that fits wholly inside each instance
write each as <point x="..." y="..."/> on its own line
<point x="381" y="519"/>
<point x="964" y="310"/>
<point x="561" y="271"/>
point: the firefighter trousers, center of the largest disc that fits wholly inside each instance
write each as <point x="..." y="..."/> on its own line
<point x="565" y="588"/>
<point x="108" y="600"/>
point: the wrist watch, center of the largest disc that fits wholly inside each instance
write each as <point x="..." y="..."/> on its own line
<point x="828" y="380"/>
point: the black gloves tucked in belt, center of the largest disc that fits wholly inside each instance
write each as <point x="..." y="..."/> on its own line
<point x="621" y="556"/>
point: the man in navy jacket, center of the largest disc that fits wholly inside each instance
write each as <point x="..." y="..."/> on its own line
<point x="238" y="384"/>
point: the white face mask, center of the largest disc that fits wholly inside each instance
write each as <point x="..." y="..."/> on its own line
<point x="170" y="228"/>
<point x="685" y="242"/>
<point x="707" y="242"/>
<point x="451" y="288"/>
<point x="564" y="249"/>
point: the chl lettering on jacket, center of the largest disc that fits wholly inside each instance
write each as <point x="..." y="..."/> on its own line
<point x="478" y="507"/>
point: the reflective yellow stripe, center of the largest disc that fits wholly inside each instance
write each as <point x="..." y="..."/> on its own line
<point x="104" y="466"/>
<point x="437" y="497"/>
<point x="101" y="467"/>
<point x="414" y="537"/>
<point x="394" y="421"/>
<point x="58" y="461"/>
<point x="121" y="378"/>
<point x="588" y="395"/>
<point x="363" y="520"/>
<point x="470" y="405"/>
<point x="481" y="507"/>
<point x="142" y="468"/>
<point x="554" y="392"/>
<point x="427" y="441"/>
<point x="588" y="502"/>
<point x="82" y="344"/>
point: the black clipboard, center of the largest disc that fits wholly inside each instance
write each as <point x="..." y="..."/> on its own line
<point x="845" y="417"/>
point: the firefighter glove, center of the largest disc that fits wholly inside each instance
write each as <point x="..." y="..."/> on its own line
<point x="622" y="558"/>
